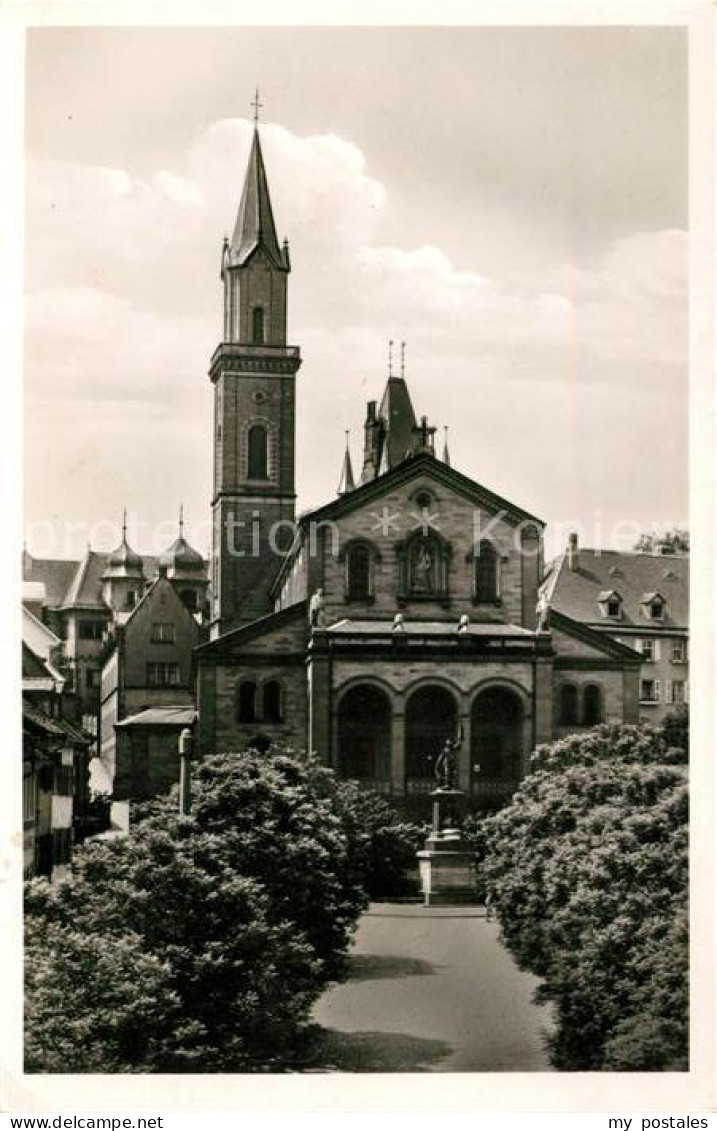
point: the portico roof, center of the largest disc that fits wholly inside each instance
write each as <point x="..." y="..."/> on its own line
<point x="349" y="627"/>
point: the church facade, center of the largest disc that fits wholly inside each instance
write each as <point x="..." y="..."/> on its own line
<point x="406" y="611"/>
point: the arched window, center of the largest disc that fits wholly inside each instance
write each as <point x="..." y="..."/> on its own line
<point x="486" y="573"/>
<point x="592" y="705"/>
<point x="257" y="325"/>
<point x="258" y="462"/>
<point x="246" y="706"/>
<point x="272" y="702"/>
<point x="568" y="705"/>
<point x="358" y="577"/>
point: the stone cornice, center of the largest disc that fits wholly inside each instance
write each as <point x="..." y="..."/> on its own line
<point x="279" y="361"/>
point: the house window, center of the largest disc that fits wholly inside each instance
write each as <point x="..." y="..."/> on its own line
<point x="675" y="691"/>
<point x="29" y="797"/>
<point x="679" y="651"/>
<point x="64" y="785"/>
<point x="92" y="679"/>
<point x="272" y="702"/>
<point x="246" y="703"/>
<point x="657" y="609"/>
<point x="162" y="633"/>
<point x="162" y="675"/>
<point x="258" y="452"/>
<point x="613" y="607"/>
<point x="257" y="325"/>
<point x="592" y="705"/>
<point x="91" y="629"/>
<point x="568" y="705"/>
<point x="486" y="573"/>
<point x="649" y="691"/>
<point x="131" y="599"/>
<point x="650" y="650"/>
<point x="358" y="567"/>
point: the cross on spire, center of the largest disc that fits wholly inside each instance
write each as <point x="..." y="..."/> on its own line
<point x="403" y="359"/>
<point x="181" y="520"/>
<point x="124" y="524"/>
<point x="257" y="106"/>
<point x="390" y="357"/>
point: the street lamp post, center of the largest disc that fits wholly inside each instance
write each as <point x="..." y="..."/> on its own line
<point x="185" y="771"/>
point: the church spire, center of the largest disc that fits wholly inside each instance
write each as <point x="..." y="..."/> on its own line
<point x="254" y="227"/>
<point x="346" y="483"/>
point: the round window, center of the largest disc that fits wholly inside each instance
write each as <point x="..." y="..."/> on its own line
<point x="259" y="397"/>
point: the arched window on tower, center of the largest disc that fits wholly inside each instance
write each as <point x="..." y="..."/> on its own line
<point x="592" y="705"/>
<point x="258" y="454"/>
<point x="358" y="573"/>
<point x="246" y="702"/>
<point x="487" y="582"/>
<point x="272" y="701"/>
<point x="257" y="325"/>
<point x="568" y="705"/>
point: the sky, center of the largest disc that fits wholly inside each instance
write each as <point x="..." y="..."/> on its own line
<point x="511" y="202"/>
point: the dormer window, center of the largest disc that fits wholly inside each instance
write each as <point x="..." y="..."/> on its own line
<point x="610" y="603"/>
<point x="653" y="605"/>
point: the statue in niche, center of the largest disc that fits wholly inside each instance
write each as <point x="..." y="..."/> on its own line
<point x="422" y="569"/>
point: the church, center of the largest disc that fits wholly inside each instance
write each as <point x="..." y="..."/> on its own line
<point x="404" y="612"/>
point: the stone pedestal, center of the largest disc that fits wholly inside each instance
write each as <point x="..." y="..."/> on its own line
<point x="447" y="863"/>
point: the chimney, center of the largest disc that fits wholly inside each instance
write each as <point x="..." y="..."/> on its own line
<point x="573" y="551"/>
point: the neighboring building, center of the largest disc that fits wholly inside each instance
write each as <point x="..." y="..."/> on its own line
<point x="404" y="612"/>
<point x="55" y="756"/>
<point x="640" y="600"/>
<point x="147" y="667"/>
<point x="82" y="601"/>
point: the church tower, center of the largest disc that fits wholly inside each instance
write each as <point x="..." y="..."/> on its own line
<point x="253" y="371"/>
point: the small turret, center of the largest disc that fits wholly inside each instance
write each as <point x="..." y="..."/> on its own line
<point x="446" y="453"/>
<point x="346" y="483"/>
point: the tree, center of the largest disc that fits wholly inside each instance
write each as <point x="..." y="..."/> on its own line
<point x="673" y="541"/>
<point x="234" y="918"/>
<point x="588" y="869"/>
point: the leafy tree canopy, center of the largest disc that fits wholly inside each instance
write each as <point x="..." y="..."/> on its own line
<point x="675" y="540"/>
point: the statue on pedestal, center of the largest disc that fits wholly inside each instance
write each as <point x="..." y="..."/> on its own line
<point x="316" y="610"/>
<point x="446" y="765"/>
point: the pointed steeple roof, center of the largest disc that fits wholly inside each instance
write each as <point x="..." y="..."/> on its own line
<point x="346" y="483"/>
<point x="446" y="453"/>
<point x="255" y="226"/>
<point x="399" y="420"/>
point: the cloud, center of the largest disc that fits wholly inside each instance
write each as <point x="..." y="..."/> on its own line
<point x="124" y="305"/>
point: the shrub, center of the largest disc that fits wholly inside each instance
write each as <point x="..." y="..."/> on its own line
<point x="382" y="845"/>
<point x="588" y="869"/>
<point x="241" y="913"/>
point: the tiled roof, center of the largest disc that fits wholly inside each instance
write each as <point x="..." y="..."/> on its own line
<point x="577" y="592"/>
<point x="76" y="583"/>
<point x="33" y="666"/>
<point x="55" y="574"/>
<point x="58" y="728"/>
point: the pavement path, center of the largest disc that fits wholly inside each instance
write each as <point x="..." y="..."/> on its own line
<point x="431" y="989"/>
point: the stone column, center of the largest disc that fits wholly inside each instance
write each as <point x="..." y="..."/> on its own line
<point x="398" y="752"/>
<point x="319" y="678"/>
<point x="543" y="700"/>
<point x="464" y="754"/>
